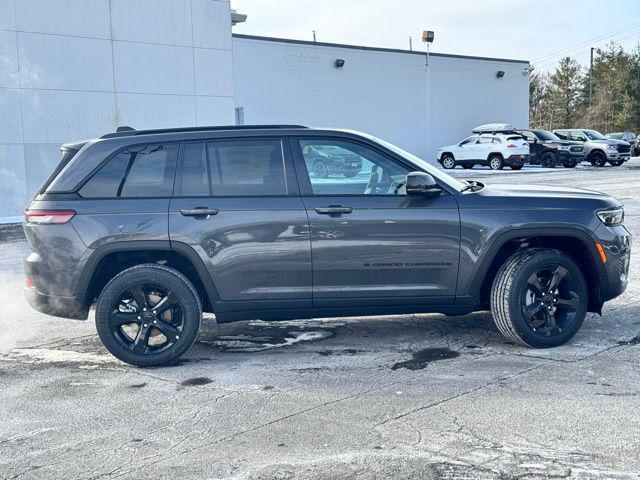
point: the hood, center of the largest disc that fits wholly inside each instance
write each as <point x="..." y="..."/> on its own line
<point x="561" y="142"/>
<point x="609" y="141"/>
<point x="542" y="191"/>
<point x="510" y="197"/>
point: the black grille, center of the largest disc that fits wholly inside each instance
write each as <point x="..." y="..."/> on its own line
<point x="624" y="148"/>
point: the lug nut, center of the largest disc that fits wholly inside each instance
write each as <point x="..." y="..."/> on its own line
<point x="154" y="312"/>
<point x="145" y="325"/>
<point x="139" y="317"/>
<point x="155" y="322"/>
<point x="144" y="309"/>
<point x="177" y="337"/>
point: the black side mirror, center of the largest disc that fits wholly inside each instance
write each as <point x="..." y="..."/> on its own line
<point x="422" y="184"/>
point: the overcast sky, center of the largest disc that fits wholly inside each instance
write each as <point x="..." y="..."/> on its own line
<point x="494" y="28"/>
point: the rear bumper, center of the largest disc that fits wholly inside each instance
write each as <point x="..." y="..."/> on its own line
<point x="56" y="306"/>
<point x="516" y="159"/>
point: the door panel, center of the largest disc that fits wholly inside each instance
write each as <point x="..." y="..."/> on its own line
<point x="254" y="248"/>
<point x="386" y="247"/>
<point x="374" y="244"/>
<point x="237" y="206"/>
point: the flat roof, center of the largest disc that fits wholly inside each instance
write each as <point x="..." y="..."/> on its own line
<point x="374" y="49"/>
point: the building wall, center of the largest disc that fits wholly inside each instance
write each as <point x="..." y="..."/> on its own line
<point x="73" y="69"/>
<point x="390" y="94"/>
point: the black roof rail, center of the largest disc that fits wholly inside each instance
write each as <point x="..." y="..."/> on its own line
<point x="128" y="131"/>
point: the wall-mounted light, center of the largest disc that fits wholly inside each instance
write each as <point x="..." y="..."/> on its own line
<point x="339" y="63"/>
<point x="527" y="70"/>
<point x="500" y="73"/>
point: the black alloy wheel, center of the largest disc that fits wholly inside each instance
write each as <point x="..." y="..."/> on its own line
<point x="551" y="301"/>
<point x="146" y="318"/>
<point x="148" y="315"/>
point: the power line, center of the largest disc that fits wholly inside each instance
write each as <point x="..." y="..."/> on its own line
<point x="553" y="61"/>
<point x="613" y="33"/>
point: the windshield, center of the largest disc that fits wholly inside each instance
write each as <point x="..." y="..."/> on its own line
<point x="426" y="166"/>
<point x="546" y="135"/>
<point x="593" y="135"/>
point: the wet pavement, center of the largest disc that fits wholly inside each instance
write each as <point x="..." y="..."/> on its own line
<point x="411" y="396"/>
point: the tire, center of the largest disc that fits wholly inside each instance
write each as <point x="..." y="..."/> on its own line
<point x="350" y="174"/>
<point x="549" y="160"/>
<point x="126" y="329"/>
<point x="516" y="167"/>
<point x="570" y="164"/>
<point x="616" y="163"/>
<point x="467" y="166"/>
<point x="519" y="307"/>
<point x="320" y="169"/>
<point x="448" y="161"/>
<point x="496" y="162"/>
<point x="598" y="159"/>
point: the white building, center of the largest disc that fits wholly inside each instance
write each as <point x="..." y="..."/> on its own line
<point x="73" y="69"/>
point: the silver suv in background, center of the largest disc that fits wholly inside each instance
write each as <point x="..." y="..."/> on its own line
<point x="598" y="149"/>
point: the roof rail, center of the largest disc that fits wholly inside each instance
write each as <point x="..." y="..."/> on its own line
<point x="128" y="131"/>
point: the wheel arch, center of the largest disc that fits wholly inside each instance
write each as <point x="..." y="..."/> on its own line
<point x="108" y="260"/>
<point x="575" y="243"/>
<point x="595" y="151"/>
<point x="495" y="154"/>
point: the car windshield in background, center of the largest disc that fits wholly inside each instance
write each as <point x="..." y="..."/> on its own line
<point x="546" y="135"/>
<point x="430" y="169"/>
<point x="593" y="135"/>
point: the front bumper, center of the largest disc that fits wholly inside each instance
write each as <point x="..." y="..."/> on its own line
<point x="620" y="157"/>
<point x="616" y="243"/>
<point x="56" y="306"/>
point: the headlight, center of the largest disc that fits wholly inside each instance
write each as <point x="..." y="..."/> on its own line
<point x="613" y="147"/>
<point x="611" y="217"/>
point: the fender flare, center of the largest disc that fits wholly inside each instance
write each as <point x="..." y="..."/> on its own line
<point x="141" y="245"/>
<point x="499" y="242"/>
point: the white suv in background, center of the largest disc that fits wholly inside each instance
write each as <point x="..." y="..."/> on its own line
<point x="495" y="145"/>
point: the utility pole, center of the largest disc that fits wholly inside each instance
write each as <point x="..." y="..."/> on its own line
<point x="591" y="77"/>
<point x="410" y="44"/>
<point x="314" y="35"/>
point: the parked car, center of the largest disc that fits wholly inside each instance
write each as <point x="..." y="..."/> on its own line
<point x="154" y="227"/>
<point x="549" y="150"/>
<point x="624" y="136"/>
<point x="598" y="149"/>
<point x="495" y="145"/>
<point x="329" y="160"/>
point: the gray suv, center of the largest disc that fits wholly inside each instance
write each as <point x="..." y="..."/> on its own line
<point x="154" y="227"/>
<point x="598" y="149"/>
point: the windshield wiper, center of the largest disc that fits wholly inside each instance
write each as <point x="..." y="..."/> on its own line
<point x="472" y="185"/>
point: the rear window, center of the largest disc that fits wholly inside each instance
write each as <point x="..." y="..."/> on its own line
<point x="233" y="168"/>
<point x="67" y="155"/>
<point x="138" y="171"/>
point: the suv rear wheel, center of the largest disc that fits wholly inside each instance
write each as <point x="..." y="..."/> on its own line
<point x="539" y="298"/>
<point x="148" y="315"/>
<point x="496" y="162"/>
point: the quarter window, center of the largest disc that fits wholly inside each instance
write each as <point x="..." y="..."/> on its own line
<point x="233" y="168"/>
<point x="138" y="171"/>
<point x="337" y="167"/>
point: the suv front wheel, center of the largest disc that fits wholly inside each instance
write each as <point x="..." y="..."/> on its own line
<point x="148" y="315"/>
<point x="539" y="298"/>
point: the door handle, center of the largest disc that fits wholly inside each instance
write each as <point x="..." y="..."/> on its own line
<point x="334" y="210"/>
<point x="199" y="212"/>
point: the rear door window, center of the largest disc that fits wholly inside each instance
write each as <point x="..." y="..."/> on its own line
<point x="138" y="171"/>
<point x="233" y="168"/>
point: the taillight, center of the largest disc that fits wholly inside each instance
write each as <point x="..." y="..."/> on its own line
<point x="29" y="283"/>
<point x="45" y="217"/>
<point x="511" y="145"/>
